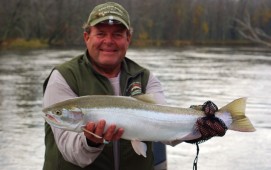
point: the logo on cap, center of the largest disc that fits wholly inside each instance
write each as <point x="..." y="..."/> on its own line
<point x="110" y="11"/>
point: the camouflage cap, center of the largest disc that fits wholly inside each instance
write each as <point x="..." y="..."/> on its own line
<point x="111" y="12"/>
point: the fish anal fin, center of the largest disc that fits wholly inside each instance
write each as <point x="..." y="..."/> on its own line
<point x="139" y="147"/>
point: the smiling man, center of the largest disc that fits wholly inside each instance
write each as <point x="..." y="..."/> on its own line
<point x="102" y="70"/>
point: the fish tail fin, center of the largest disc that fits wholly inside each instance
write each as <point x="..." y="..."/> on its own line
<point x="239" y="120"/>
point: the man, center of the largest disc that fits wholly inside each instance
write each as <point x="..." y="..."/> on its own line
<point x="102" y="70"/>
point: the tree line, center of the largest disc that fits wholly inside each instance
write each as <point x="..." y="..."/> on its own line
<point x="155" y="22"/>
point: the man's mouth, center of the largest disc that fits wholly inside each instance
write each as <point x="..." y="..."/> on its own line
<point x="108" y="50"/>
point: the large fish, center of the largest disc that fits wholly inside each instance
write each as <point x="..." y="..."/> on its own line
<point x="141" y="119"/>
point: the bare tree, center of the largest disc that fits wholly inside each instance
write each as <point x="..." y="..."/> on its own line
<point x="254" y="34"/>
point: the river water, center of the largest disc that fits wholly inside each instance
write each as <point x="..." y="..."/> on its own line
<point x="189" y="76"/>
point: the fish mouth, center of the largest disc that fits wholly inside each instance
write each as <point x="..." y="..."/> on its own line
<point x="52" y="120"/>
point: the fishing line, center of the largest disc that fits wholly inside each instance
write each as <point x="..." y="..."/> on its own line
<point x="208" y="127"/>
<point x="195" y="164"/>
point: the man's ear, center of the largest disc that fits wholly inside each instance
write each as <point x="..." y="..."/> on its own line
<point x="129" y="37"/>
<point x="86" y="36"/>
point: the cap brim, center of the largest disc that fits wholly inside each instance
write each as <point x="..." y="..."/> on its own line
<point x="93" y="23"/>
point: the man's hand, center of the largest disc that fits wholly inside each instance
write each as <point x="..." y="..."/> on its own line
<point x="210" y="125"/>
<point x="96" y="134"/>
<point x="209" y="108"/>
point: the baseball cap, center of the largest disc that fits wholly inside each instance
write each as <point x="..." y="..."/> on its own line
<point x="111" y="12"/>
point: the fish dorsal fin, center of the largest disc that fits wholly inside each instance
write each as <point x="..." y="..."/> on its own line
<point x="148" y="98"/>
<point x="139" y="147"/>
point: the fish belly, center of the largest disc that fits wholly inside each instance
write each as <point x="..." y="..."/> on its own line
<point x="144" y="125"/>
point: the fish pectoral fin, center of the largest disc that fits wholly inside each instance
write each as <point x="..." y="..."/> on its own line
<point x="139" y="147"/>
<point x="97" y="136"/>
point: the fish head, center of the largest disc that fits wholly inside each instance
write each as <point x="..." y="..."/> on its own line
<point x="71" y="119"/>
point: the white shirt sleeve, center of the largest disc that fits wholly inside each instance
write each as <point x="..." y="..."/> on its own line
<point x="72" y="145"/>
<point x="154" y="87"/>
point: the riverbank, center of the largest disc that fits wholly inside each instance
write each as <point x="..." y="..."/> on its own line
<point x="21" y="43"/>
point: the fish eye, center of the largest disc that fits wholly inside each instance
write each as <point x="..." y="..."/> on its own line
<point x="58" y="112"/>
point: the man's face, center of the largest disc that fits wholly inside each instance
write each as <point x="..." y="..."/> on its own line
<point x="107" y="45"/>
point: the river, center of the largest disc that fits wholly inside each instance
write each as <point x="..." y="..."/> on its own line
<point x="189" y="76"/>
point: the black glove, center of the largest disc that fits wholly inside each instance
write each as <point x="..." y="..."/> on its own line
<point x="210" y="125"/>
<point x="208" y="107"/>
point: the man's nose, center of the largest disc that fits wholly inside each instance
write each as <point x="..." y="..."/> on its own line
<point x="108" y="39"/>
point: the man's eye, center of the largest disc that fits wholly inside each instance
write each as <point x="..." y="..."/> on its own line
<point x="100" y="34"/>
<point x="118" y="35"/>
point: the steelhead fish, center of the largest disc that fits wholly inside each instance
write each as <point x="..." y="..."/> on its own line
<point x="141" y="119"/>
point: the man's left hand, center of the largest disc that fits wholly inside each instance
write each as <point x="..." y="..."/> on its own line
<point x="208" y="126"/>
